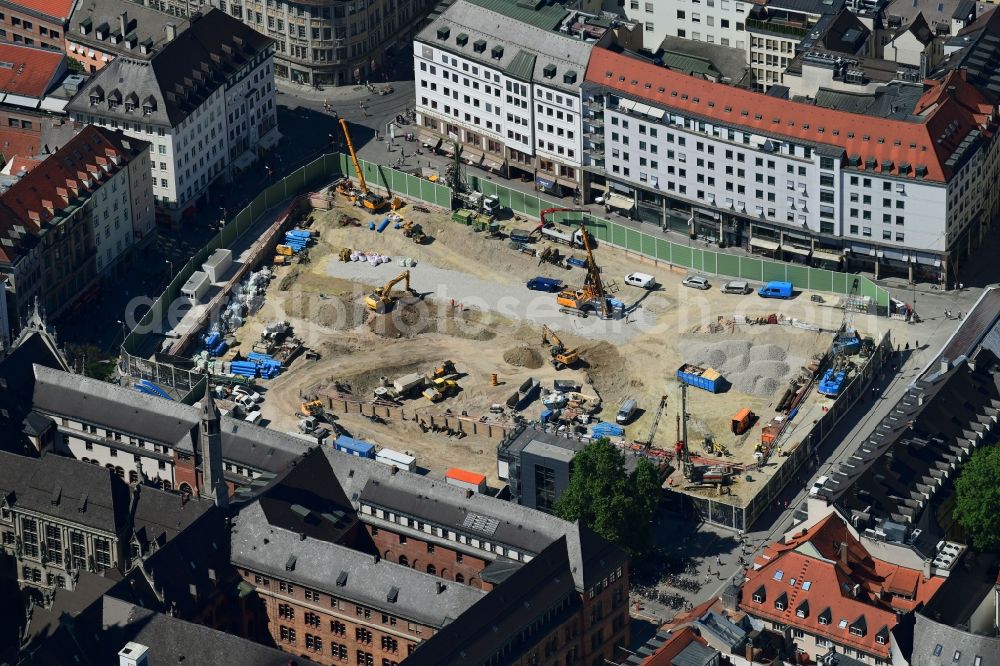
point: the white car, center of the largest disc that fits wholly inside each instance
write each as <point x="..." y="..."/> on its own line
<point x="818" y="486"/>
<point x="696" y="282"/>
<point x="243" y="391"/>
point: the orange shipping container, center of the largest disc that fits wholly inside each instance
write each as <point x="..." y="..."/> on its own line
<point x="742" y="421"/>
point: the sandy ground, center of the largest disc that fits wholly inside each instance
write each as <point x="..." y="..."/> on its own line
<point x="495" y="314"/>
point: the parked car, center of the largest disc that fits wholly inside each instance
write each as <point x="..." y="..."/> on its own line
<point x="643" y="280"/>
<point x="818" y="486"/>
<point x="696" y="282"/>
<point x="776" y="290"/>
<point x="253" y="417"/>
<point x="248" y="392"/>
<point x="736" y="287"/>
<point x="545" y="284"/>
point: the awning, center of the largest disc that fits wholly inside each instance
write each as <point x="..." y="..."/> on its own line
<point x="545" y="182"/>
<point x="863" y="250"/>
<point x="928" y="260"/>
<point x="895" y="254"/>
<point x="620" y="202"/>
<point x="270" y="139"/>
<point x="471" y="156"/>
<point x="655" y="113"/>
<point x="491" y="163"/>
<point x="626" y="104"/>
<point x="21" y="100"/>
<point x="53" y="104"/>
<point x="827" y="256"/>
<point x="642" y="109"/>
<point x="448" y="149"/>
<point x="764" y="244"/>
<point x="244" y="160"/>
<point x="804" y="251"/>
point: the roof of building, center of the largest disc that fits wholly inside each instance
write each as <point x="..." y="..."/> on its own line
<point x="478" y="31"/>
<point x="346" y="573"/>
<point x="178" y="79"/>
<point x="665" y="648"/>
<point x="846" y="34"/>
<point x="936" y="644"/>
<point x="148" y="25"/>
<point x="951" y="117"/>
<point x="808" y="6"/>
<point x="895" y="474"/>
<point x="109" y="624"/>
<point x="711" y="61"/>
<point x="979" y="329"/>
<point x="538" y="14"/>
<point x="824" y="581"/>
<point x="918" y="28"/>
<point x="519" y="527"/>
<point x="67" y="489"/>
<point x="543" y="584"/>
<point x="58" y="9"/>
<point x="895" y="100"/>
<point x="933" y="11"/>
<point x="980" y="56"/>
<point x="29" y="71"/>
<point x="157" y="419"/>
<point x="75" y="171"/>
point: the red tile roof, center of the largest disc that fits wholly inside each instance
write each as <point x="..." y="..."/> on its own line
<point x="77" y="169"/>
<point x="949" y="110"/>
<point x="31" y="72"/>
<point x="17" y="163"/>
<point x="60" y="9"/>
<point x="19" y="142"/>
<point x="665" y="654"/>
<point x="862" y="588"/>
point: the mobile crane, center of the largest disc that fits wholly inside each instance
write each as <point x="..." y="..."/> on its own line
<point x="366" y="198"/>
<point x="593" y="294"/>
<point x="561" y="357"/>
<point x="382" y="298"/>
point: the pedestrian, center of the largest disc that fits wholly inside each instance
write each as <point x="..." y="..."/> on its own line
<point x="718" y="560"/>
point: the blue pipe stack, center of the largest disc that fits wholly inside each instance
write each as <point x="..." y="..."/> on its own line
<point x="297" y="239"/>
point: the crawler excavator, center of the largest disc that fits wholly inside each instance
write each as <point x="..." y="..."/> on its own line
<point x="561" y="357"/>
<point x="382" y="299"/>
<point x="363" y="197"/>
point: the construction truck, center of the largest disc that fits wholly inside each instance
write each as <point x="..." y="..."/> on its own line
<point x="561" y="357"/>
<point x="382" y="299"/>
<point x="475" y="201"/>
<point x="414" y="232"/>
<point x="362" y="197"/>
<point x="446" y="368"/>
<point x="592" y="296"/>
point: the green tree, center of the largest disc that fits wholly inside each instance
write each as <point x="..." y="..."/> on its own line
<point x="977" y="498"/>
<point x="620" y="507"/>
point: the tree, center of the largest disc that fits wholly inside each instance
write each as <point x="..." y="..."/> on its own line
<point x="977" y="498"/>
<point x="618" y="506"/>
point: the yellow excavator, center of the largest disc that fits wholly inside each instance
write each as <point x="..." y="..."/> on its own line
<point x="367" y="199"/>
<point x="382" y="298"/>
<point x="561" y="357"/>
<point x="592" y="296"/>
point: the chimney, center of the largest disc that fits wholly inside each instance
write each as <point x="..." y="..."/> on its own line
<point x="133" y="654"/>
<point x="171" y="32"/>
<point x="440" y="587"/>
<point x="945" y="365"/>
<point x="843" y="553"/>
<point x="394" y="470"/>
<point x="123" y="23"/>
<point x="927" y="568"/>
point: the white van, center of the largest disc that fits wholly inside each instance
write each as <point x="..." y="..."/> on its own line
<point x="818" y="486"/>
<point x="253" y="417"/>
<point x="626" y="411"/>
<point x="736" y="287"/>
<point x="641" y="280"/>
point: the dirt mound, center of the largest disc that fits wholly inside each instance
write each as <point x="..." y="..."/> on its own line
<point x="328" y="311"/>
<point x="523" y="357"/>
<point x="408" y="318"/>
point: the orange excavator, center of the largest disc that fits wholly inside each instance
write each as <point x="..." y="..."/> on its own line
<point x="592" y="296"/>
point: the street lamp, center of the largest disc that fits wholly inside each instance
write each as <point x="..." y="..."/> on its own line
<point x="170" y="264"/>
<point x="222" y="219"/>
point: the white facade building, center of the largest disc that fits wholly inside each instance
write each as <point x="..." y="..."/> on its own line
<point x="204" y="102"/>
<point x="719" y="22"/>
<point x="507" y="91"/>
<point x="806" y="183"/>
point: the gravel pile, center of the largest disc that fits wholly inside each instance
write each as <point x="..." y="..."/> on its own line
<point x="752" y="369"/>
<point x="523" y="357"/>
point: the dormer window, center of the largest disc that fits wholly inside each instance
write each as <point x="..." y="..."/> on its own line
<point x="148" y="106"/>
<point x="114" y="99"/>
<point x="131" y="102"/>
<point x="96" y="95"/>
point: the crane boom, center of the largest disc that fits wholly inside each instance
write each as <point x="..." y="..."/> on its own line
<point x="656" y="421"/>
<point x="354" y="157"/>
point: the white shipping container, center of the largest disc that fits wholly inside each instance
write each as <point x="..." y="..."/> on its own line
<point x="395" y="458"/>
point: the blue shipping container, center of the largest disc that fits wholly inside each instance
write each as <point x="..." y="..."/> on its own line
<point x="703" y="378"/>
<point x="355" y="447"/>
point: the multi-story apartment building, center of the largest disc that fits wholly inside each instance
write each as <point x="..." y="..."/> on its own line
<point x="332" y="43"/>
<point x="206" y="93"/>
<point x="776" y="29"/>
<point x="908" y="194"/>
<point x="60" y="517"/>
<point x="113" y="426"/>
<point x="101" y="30"/>
<point x="509" y="97"/>
<point x="178" y="8"/>
<point x="41" y="23"/>
<point x="74" y="218"/>
<point x="348" y="559"/>
<point x="721" y="22"/>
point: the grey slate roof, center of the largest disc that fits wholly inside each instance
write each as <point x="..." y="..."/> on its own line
<point x="67" y="489"/>
<point x="178" y="78"/>
<point x="936" y="644"/>
<point x="17" y="381"/>
<point x="519" y="41"/>
<point x="147" y="25"/>
<point x="695" y="654"/>
<point x="157" y="419"/>
<point x="260" y="546"/>
<point x="519" y="526"/>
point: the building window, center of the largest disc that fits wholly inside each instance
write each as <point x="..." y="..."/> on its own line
<point x="338" y="628"/>
<point x="545" y="488"/>
<point x="102" y="554"/>
<point x="53" y="544"/>
<point x="365" y="658"/>
<point x="314" y="643"/>
<point x="312" y="619"/>
<point x="29" y="536"/>
<point x="286" y="612"/>
<point x="363" y="635"/>
<point x="390" y="644"/>
<point x="287" y="634"/>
